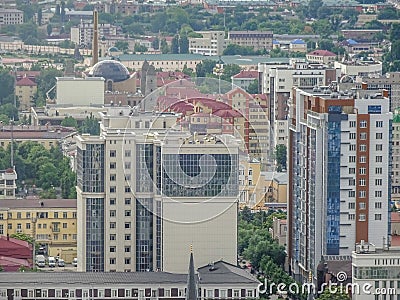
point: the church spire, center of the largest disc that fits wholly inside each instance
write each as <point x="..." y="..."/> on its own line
<point x="191" y="289"/>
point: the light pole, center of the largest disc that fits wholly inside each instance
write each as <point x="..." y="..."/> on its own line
<point x="33" y="240"/>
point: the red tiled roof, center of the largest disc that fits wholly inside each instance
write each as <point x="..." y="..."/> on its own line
<point x="247" y="74"/>
<point x="25" y="82"/>
<point x="11" y="264"/>
<point x="322" y="53"/>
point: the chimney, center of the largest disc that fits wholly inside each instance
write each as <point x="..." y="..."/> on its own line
<point x="95" y="42"/>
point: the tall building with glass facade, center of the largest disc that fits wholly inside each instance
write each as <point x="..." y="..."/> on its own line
<point x="147" y="191"/>
<point x="339" y="175"/>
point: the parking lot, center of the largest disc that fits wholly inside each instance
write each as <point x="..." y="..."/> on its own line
<point x="67" y="268"/>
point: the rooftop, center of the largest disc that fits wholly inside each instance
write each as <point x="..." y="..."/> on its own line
<point x="37" y="203"/>
<point x="25" y="81"/>
<point x="321" y="53"/>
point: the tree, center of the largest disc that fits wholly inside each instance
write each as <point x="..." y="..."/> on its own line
<point x="69" y="122"/>
<point x="187" y="71"/>
<point x="155" y="43"/>
<point x="49" y="29"/>
<point x="334" y="293"/>
<point x="62" y="11"/>
<point x="58" y="10"/>
<point x="394" y="33"/>
<point x="9" y="110"/>
<point x="47" y="176"/>
<point x="139" y="48"/>
<point x="4" y="119"/>
<point x="253" y="87"/>
<point x="7" y="86"/>
<point x="46" y="81"/>
<point x="313" y="7"/>
<point x="90" y="125"/>
<point x="164" y="46"/>
<point x="229" y="71"/>
<point x="280" y="157"/>
<point x="23" y="237"/>
<point x="122" y="46"/>
<point x="39" y="16"/>
<point x="175" y="45"/>
<point x="183" y="44"/>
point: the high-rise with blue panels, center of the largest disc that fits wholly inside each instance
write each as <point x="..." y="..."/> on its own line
<point x="148" y="191"/>
<point x="339" y="175"/>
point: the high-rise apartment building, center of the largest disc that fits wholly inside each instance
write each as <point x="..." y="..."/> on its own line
<point x="82" y="34"/>
<point x="147" y="191"/>
<point x="339" y="152"/>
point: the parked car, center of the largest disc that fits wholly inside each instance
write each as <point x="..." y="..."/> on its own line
<point x="75" y="262"/>
<point x="52" y="261"/>
<point x="61" y="262"/>
<point x="40" y="261"/>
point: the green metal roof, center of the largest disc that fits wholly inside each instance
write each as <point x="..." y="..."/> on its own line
<point x="396" y="118"/>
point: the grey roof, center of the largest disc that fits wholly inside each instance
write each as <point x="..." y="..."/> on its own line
<point x="223" y="272"/>
<point x="280" y="177"/>
<point x="61" y="279"/>
<point x="36" y="203"/>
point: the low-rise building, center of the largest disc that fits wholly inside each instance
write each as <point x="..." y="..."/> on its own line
<point x="11" y="16"/>
<point x="245" y="78"/>
<point x="279" y="230"/>
<point x="48" y="136"/>
<point x="52" y="222"/>
<point x="8" y="184"/>
<point x="14" y="253"/>
<point x="376" y="268"/>
<point x="258" y="40"/>
<point x="212" y="43"/>
<point x="25" y="91"/>
<point x="219" y="280"/>
<point x="321" y="56"/>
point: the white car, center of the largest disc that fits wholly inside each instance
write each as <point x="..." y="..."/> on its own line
<point x="52" y="262"/>
<point x="75" y="262"/>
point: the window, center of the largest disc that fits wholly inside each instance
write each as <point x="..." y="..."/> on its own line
<point x="352" y="205"/>
<point x="378" y="194"/>
<point x="362" y="194"/>
<point x="378" y="205"/>
<point x="127" y="213"/>
<point x="113" y="165"/>
<point x="352" y="136"/>
<point x="352" y="123"/>
<point x="55" y="237"/>
<point x="378" y="181"/>
<point x="113" y="225"/>
<point x="378" y="217"/>
<point x="378" y="147"/>
<point x="362" y="182"/>
<point x="112" y="261"/>
<point x="19" y="215"/>
<point x="362" y="171"/>
<point x="127" y="249"/>
<point x="28" y="225"/>
<point x="352" y="147"/>
<point x="113" y="177"/>
<point x="112" y="237"/>
<point x="352" y="159"/>
<point x="127" y="237"/>
<point x="127" y="225"/>
<point x="378" y="135"/>
<point x="112" y="213"/>
<point x="352" y="182"/>
<point x="113" y="153"/>
<point x="352" y="170"/>
<point x="65" y="237"/>
<point x="128" y="293"/>
<point x="9" y="226"/>
<point x="127" y="201"/>
<point x="55" y="215"/>
<point x="65" y="225"/>
<point x="250" y="293"/>
<point x="363" y="136"/>
<point x="1" y="216"/>
<point x="127" y="189"/>
<point x="361" y="205"/>
<point x="127" y="261"/>
<point x="74" y="236"/>
<point x="113" y="189"/>
<point x="28" y="215"/>
<point x="363" y="124"/>
<point x="378" y="170"/>
<point x="363" y="159"/>
<point x="112" y="201"/>
<point x="352" y="217"/>
<point x="361" y="217"/>
<point x="112" y="249"/>
<point x="127" y="153"/>
<point x="127" y="165"/>
<point x="378" y="158"/>
<point x="379" y="123"/>
<point x="363" y="148"/>
<point x="352" y="194"/>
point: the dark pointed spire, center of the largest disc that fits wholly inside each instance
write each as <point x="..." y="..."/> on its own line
<point x="191" y="289"/>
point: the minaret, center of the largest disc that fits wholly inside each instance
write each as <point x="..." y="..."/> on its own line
<point x="95" y="42"/>
<point x="191" y="289"/>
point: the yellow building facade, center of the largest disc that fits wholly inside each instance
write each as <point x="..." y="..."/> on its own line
<point x="25" y="90"/>
<point x="51" y="221"/>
